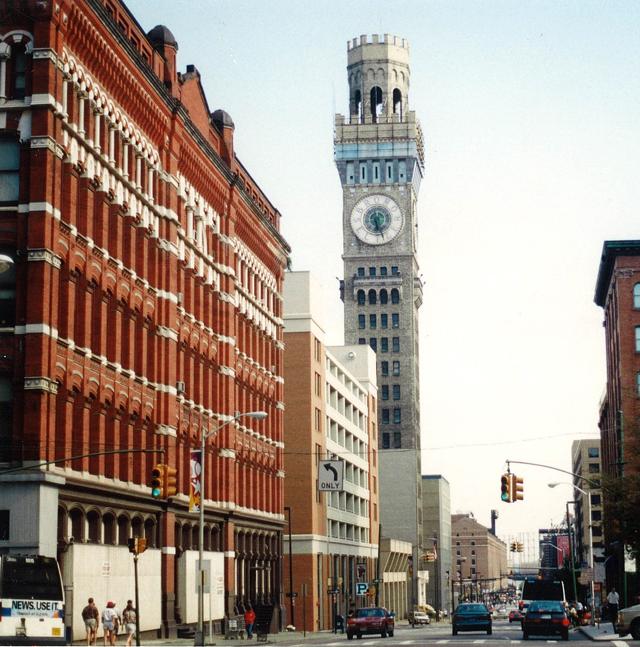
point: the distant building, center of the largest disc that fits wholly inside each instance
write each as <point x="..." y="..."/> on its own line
<point x="586" y="463"/>
<point x="527" y="561"/>
<point x="479" y="556"/>
<point x="436" y="523"/>
<point x="331" y="398"/>
<point x="553" y="547"/>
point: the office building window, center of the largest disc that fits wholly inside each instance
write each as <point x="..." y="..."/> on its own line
<point x="362" y="341"/>
<point x="596" y="515"/>
<point x="595" y="499"/>
<point x="384" y="344"/>
<point x="384" y="368"/>
<point x="361" y="297"/>
<point x="384" y="392"/>
<point x="4" y="525"/>
<point x="395" y="296"/>
<point x="394" y="270"/>
<point x="372" y="297"/>
<point x="385" y="441"/>
<point x="372" y="271"/>
<point x="372" y="322"/>
<point x="397" y="416"/>
<point x="395" y="320"/>
<point x="396" y="391"/>
<point x="361" y="271"/>
<point x="373" y="342"/>
<point x="594" y="468"/>
<point x="384" y="297"/>
<point x="397" y="440"/>
<point x="593" y="452"/>
<point x="637" y="338"/>
<point x="385" y="416"/>
<point x="384" y="320"/>
<point x="636" y="295"/>
<point x="396" y="368"/>
<point x="361" y="321"/>
<point x="395" y="344"/>
<point x="383" y="271"/>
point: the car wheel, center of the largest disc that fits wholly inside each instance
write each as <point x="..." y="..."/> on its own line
<point x="489" y="631"/>
<point x="454" y="631"/>
<point x="525" y="635"/>
<point x="391" y="633"/>
<point x="635" y="629"/>
<point x="349" y="636"/>
<point x="358" y="636"/>
<point x="510" y="620"/>
<point x="565" y="635"/>
<point x="383" y="633"/>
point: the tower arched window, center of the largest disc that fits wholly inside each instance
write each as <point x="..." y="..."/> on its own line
<point x="397" y="103"/>
<point x="372" y="297"/>
<point x="376" y="103"/>
<point x="384" y="297"/>
<point x="395" y="296"/>
<point x="357" y="104"/>
<point x="17" y="81"/>
<point x="636" y="296"/>
<point x="361" y="297"/>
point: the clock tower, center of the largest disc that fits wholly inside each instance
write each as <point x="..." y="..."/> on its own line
<point x="379" y="153"/>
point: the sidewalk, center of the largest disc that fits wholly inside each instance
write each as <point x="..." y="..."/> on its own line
<point x="603" y="631"/>
<point x="282" y="638"/>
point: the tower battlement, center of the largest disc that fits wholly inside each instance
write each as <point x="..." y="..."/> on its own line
<point x="377" y="39"/>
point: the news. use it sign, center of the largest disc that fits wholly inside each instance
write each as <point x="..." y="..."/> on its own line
<point x="331" y="476"/>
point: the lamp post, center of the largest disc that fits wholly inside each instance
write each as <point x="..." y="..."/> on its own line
<point x="257" y="415"/>
<point x="291" y="601"/>
<point x="591" y="565"/>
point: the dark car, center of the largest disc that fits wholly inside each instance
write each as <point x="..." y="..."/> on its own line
<point x="471" y="616"/>
<point x="515" y="615"/>
<point x="545" y="618"/>
<point x="372" y="620"/>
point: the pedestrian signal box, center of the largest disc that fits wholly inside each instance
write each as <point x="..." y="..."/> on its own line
<point x="517" y="488"/>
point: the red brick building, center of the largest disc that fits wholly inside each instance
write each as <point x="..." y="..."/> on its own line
<point x="143" y="306"/>
<point x="618" y="293"/>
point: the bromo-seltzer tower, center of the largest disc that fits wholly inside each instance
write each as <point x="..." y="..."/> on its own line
<point x="379" y="153"/>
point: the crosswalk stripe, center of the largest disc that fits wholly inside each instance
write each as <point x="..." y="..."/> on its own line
<point x="619" y="643"/>
<point x="479" y="642"/>
<point x="441" y="642"/>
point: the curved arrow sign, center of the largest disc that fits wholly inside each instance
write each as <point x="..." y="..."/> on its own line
<point x="331" y="476"/>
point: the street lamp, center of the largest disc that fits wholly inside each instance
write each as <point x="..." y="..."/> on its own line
<point x="588" y="495"/>
<point x="257" y="415"/>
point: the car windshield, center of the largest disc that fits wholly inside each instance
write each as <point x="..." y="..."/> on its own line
<point x="546" y="606"/>
<point x="472" y="608"/>
<point x="369" y="613"/>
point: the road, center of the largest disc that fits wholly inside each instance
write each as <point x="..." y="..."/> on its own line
<point x="503" y="634"/>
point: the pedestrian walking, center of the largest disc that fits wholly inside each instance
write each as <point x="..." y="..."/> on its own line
<point x="129" y="618"/>
<point x="613" y="600"/>
<point x="110" y="623"/>
<point x="90" y="615"/>
<point x="249" y="621"/>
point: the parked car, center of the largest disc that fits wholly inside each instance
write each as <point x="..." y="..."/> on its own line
<point x="471" y="616"/>
<point x="419" y="618"/>
<point x="545" y="618"/>
<point x="515" y="615"/>
<point x="629" y="622"/>
<point x="371" y="620"/>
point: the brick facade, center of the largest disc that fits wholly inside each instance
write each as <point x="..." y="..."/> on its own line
<point x="148" y="295"/>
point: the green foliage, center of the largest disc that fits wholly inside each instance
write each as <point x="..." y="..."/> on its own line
<point x="622" y="503"/>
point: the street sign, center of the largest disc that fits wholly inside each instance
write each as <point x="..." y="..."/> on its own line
<point x="331" y="476"/>
<point x="362" y="588"/>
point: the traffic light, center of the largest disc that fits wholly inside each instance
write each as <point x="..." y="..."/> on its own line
<point x="514" y="546"/>
<point x="519" y="547"/>
<point x="170" y="481"/>
<point x="158" y="481"/>
<point x="517" y="488"/>
<point x="505" y="488"/>
<point x="137" y="545"/>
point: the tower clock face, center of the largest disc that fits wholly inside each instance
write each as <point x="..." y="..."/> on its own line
<point x="376" y="219"/>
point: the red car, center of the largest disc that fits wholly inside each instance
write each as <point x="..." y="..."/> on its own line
<point x="372" y="620"/>
<point x="515" y="616"/>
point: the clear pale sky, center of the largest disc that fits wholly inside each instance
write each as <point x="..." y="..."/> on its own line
<point x="531" y="114"/>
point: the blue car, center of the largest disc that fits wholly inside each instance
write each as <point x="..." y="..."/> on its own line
<point x="471" y="616"/>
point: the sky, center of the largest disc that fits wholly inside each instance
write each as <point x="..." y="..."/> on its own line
<point x="531" y="115"/>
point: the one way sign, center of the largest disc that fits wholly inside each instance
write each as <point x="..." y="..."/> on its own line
<point x="331" y="476"/>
